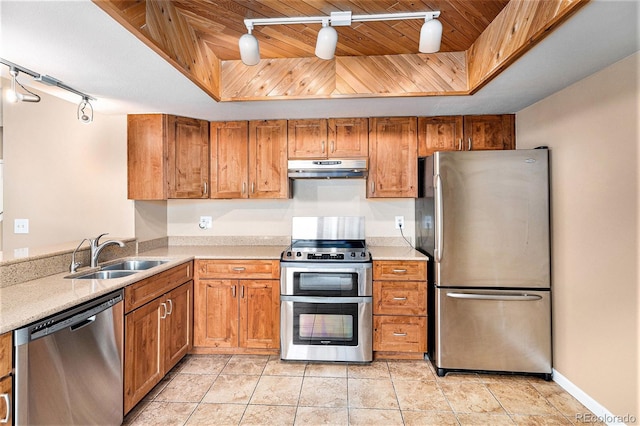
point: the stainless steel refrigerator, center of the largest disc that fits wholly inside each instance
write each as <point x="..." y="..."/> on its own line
<point x="483" y="217"/>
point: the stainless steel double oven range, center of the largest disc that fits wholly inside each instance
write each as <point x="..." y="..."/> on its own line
<point x="326" y="291"/>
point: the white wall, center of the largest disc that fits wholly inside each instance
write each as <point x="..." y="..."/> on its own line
<point x="69" y="179"/>
<point x="592" y="130"/>
<point x="336" y="197"/>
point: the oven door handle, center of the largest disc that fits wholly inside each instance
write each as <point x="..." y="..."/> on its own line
<point x="321" y="299"/>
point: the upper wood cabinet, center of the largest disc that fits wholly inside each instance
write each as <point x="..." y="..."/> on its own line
<point x="268" y="159"/>
<point x="393" y="162"/>
<point x="328" y="138"/>
<point x="458" y="133"/>
<point x="482" y="132"/>
<point x="167" y="157"/>
<point x="249" y="159"/>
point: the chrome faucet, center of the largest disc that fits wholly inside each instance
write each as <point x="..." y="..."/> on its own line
<point x="96" y="247"/>
<point x="74" y="265"/>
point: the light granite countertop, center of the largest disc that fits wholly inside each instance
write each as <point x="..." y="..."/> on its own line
<point x="25" y="303"/>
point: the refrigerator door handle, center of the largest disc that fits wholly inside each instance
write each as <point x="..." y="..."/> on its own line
<point x="437" y="183"/>
<point x="507" y="297"/>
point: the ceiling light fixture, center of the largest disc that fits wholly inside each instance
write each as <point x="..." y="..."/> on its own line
<point x="85" y="109"/>
<point x="430" y="34"/>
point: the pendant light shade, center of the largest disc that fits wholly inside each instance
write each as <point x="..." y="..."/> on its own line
<point x="326" y="43"/>
<point x="430" y="36"/>
<point x="249" y="50"/>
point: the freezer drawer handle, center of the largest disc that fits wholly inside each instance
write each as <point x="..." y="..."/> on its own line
<point x="515" y="297"/>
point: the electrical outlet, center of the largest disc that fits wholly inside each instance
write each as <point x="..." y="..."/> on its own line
<point x="21" y="226"/>
<point x="205" y="222"/>
<point x="399" y="222"/>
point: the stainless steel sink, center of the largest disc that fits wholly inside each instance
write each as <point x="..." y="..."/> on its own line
<point x="103" y="275"/>
<point x="133" y="265"/>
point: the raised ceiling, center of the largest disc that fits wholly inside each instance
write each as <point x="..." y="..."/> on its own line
<point x="374" y="59"/>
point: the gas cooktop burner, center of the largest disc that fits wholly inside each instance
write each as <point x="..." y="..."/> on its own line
<point x="327" y="250"/>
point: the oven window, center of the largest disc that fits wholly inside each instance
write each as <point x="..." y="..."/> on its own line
<point x="325" y="284"/>
<point x="325" y="323"/>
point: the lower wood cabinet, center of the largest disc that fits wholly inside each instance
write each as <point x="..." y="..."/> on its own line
<point x="158" y="333"/>
<point x="399" y="309"/>
<point x="237" y="306"/>
<point x="6" y="378"/>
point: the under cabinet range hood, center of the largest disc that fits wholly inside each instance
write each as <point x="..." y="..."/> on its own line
<point x="328" y="169"/>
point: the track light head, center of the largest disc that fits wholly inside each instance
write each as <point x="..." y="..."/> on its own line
<point x="430" y="36"/>
<point x="327" y="41"/>
<point x="85" y="111"/>
<point x="13" y="95"/>
<point x="249" y="48"/>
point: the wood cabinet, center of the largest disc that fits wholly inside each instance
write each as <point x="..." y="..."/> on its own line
<point x="328" y="138"/>
<point x="237" y="306"/>
<point x="249" y="159"/>
<point x="158" y="329"/>
<point x="458" y="133"/>
<point x="6" y="378"/>
<point x="167" y="157"/>
<point x="393" y="157"/>
<point x="400" y="309"/>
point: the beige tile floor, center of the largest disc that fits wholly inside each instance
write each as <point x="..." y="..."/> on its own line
<point x="263" y="390"/>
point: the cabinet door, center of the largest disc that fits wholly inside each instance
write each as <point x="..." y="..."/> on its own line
<point x="393" y="156"/>
<point x="348" y="137"/>
<point x="143" y="360"/>
<point x="307" y="138"/>
<point x="260" y="314"/>
<point x="216" y="313"/>
<point x="229" y="159"/>
<point x="178" y="324"/>
<point x="188" y="157"/>
<point x="439" y="134"/>
<point x="485" y="132"/>
<point x="6" y="413"/>
<point x="268" y="159"/>
<point x="146" y="152"/>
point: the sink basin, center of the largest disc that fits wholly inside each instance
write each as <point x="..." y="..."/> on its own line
<point x="133" y="265"/>
<point x="104" y="275"/>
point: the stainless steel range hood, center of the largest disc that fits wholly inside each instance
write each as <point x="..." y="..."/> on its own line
<point x="328" y="169"/>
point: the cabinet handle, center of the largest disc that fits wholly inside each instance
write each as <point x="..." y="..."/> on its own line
<point x="244" y="187"/>
<point x="332" y="147"/>
<point x="373" y="187"/>
<point x="7" y="402"/>
<point x="241" y="292"/>
<point x="400" y="334"/>
<point x="239" y="268"/>
<point x="206" y="190"/>
<point x="469" y="144"/>
<point x="399" y="271"/>
<point x="399" y="298"/>
<point x="253" y="187"/>
<point x="460" y="144"/>
<point x="163" y="316"/>
<point x="170" y="306"/>
<point x="233" y="291"/>
<point x="323" y="147"/>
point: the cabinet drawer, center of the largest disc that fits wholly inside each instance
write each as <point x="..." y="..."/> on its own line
<point x="148" y="289"/>
<point x="400" y="298"/>
<point x="5" y="354"/>
<point x="399" y="334"/>
<point x="400" y="270"/>
<point x="238" y="268"/>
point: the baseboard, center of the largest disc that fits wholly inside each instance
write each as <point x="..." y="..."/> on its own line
<point x="601" y="414"/>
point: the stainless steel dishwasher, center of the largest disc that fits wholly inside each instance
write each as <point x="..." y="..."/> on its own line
<point x="69" y="367"/>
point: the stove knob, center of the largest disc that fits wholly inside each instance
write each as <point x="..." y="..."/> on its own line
<point x="288" y="254"/>
<point x="298" y="254"/>
<point x="353" y="254"/>
<point x="363" y="254"/>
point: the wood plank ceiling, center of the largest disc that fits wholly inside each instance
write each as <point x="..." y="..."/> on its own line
<point x="373" y="59"/>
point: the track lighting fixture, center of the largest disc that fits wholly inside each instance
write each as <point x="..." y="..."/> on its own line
<point x="85" y="109"/>
<point x="13" y="95"/>
<point x="430" y="34"/>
